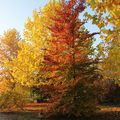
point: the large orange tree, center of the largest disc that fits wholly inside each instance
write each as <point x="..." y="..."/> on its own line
<point x="68" y="60"/>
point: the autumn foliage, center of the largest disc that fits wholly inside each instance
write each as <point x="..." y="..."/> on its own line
<point x="56" y="60"/>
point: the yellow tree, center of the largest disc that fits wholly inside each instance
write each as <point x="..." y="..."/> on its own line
<point x="8" y="50"/>
<point x="10" y="91"/>
<point x="27" y="67"/>
<point x="106" y="16"/>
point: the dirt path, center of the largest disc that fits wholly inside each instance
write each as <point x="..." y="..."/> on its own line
<point x="110" y="109"/>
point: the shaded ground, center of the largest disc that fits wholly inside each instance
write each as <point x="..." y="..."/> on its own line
<point x="19" y="116"/>
<point x="106" y="113"/>
<point x="34" y="116"/>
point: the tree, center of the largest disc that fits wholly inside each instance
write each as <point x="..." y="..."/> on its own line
<point x="27" y="66"/>
<point x="28" y="70"/>
<point x="57" y="54"/>
<point x="69" y="55"/>
<point x="8" y="51"/>
<point x="10" y="91"/>
<point x="111" y="62"/>
<point x="106" y="17"/>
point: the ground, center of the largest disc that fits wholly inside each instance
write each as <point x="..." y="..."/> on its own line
<point x="34" y="116"/>
<point x="32" y="113"/>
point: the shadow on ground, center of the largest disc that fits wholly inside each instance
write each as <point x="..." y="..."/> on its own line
<point x="34" y="116"/>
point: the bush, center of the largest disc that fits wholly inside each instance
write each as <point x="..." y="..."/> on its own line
<point x="14" y="99"/>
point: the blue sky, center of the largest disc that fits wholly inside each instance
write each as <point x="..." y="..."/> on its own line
<point x="14" y="13"/>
